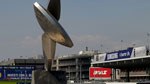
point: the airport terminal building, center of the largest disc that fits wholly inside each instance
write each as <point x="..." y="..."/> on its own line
<point x="130" y="64"/>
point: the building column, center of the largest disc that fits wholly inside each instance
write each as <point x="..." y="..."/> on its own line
<point x="114" y="74"/>
<point x="80" y="73"/>
<point x="57" y="64"/>
<point x="77" y="70"/>
<point x="148" y="72"/>
<point x="111" y="74"/>
<point x="127" y="75"/>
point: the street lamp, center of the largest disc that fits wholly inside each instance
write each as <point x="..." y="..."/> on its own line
<point x="101" y="48"/>
<point x="148" y="40"/>
<point x="121" y="44"/>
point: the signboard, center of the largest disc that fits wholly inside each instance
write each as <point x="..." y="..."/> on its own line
<point x="139" y="51"/>
<point x="119" y="54"/>
<point x="100" y="73"/>
<point x="16" y="72"/>
<point x="99" y="57"/>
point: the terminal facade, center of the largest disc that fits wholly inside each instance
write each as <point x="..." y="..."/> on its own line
<point x="76" y="65"/>
<point x="130" y="64"/>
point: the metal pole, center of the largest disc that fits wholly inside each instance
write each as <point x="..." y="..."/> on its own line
<point x="101" y="48"/>
<point x="148" y="40"/>
<point x="121" y="44"/>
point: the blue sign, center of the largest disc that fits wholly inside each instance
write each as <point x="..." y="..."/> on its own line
<point x="18" y="74"/>
<point x="122" y="54"/>
<point x="23" y="73"/>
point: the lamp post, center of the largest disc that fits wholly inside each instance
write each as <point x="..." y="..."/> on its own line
<point x="101" y="48"/>
<point x="148" y="40"/>
<point x="121" y="44"/>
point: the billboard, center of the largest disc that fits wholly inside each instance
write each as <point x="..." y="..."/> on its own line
<point x="16" y="75"/>
<point x="121" y="54"/>
<point x="100" y="73"/>
<point x="139" y="51"/>
<point x="16" y="72"/>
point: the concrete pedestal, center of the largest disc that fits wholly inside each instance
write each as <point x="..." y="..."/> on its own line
<point x="48" y="77"/>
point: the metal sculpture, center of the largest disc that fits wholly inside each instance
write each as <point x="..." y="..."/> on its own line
<point x="53" y="31"/>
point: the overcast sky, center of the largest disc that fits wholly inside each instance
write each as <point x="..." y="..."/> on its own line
<point x="89" y="23"/>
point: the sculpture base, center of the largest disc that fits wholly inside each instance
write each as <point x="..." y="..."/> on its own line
<point x="48" y="77"/>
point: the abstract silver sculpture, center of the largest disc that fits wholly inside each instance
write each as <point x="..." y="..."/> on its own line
<point x="53" y="31"/>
